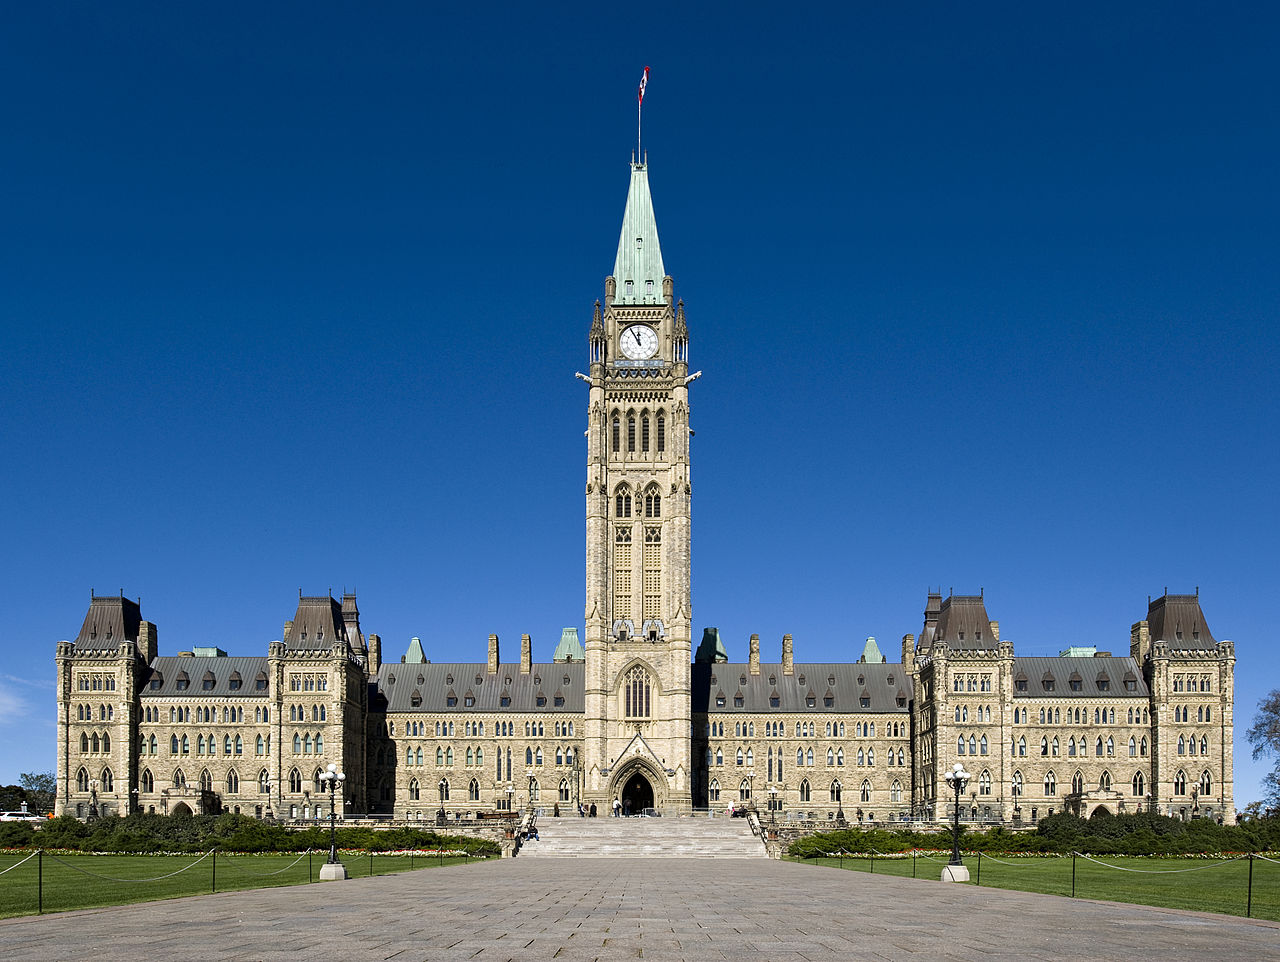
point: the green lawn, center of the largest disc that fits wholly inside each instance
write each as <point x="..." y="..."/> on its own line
<point x="85" y="881"/>
<point x="1214" y="885"/>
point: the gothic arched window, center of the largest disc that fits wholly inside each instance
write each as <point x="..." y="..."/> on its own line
<point x="636" y="693"/>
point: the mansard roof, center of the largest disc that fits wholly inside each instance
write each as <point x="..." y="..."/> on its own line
<point x="639" y="257"/>
<point x="317" y="624"/>
<point x="569" y="648"/>
<point x="392" y="689"/>
<point x="963" y="624"/>
<point x="196" y="670"/>
<point x="109" y="622"/>
<point x="1088" y="672"/>
<point x="847" y="684"/>
<point x="1179" y="621"/>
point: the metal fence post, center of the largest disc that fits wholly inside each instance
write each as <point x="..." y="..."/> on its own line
<point x="214" y="882"/>
<point x="1248" y="911"/>
<point x="977" y="878"/>
<point x="40" y="881"/>
<point x="370" y="863"/>
<point x="913" y="863"/>
<point x="1073" y="874"/>
<point x="308" y="865"/>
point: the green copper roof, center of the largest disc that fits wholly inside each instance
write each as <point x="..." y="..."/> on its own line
<point x="712" y="648"/>
<point x="638" y="268"/>
<point x="871" y="653"/>
<point x="570" y="648"/>
<point x="415" y="655"/>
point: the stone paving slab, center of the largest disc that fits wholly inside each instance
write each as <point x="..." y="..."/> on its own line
<point x="584" y="910"/>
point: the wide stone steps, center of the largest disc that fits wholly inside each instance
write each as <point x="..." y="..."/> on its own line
<point x="671" y="837"/>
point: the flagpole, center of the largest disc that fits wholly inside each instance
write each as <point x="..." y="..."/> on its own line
<point x="639" y="104"/>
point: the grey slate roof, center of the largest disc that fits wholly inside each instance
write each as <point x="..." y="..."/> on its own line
<point x="393" y="688"/>
<point x="963" y="624"/>
<point x="821" y="679"/>
<point x="317" y="624"/>
<point x="171" y="668"/>
<point x="1087" y="671"/>
<point x="108" y="622"/>
<point x="1179" y="621"/>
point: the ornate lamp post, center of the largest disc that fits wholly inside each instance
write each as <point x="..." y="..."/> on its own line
<point x="955" y="870"/>
<point x="773" y="805"/>
<point x="839" y="803"/>
<point x="510" y="791"/>
<point x="440" y="816"/>
<point x="533" y="784"/>
<point x="333" y="869"/>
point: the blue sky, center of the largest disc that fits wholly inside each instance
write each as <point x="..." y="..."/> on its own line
<point x="985" y="297"/>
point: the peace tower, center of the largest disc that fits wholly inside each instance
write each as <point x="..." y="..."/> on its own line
<point x="638" y="612"/>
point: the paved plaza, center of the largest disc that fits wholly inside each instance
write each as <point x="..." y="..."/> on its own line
<point x="662" y="909"/>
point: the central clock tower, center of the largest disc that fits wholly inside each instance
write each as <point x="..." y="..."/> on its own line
<point x="638" y="612"/>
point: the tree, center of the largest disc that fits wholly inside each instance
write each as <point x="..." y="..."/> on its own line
<point x="1264" y="734"/>
<point x="41" y="789"/>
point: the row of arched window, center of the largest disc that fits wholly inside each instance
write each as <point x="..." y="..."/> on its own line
<point x="642" y="430"/>
<point x="647" y="505"/>
<point x="299" y="713"/>
<point x="1182" y="713"/>
<point x="444" y="788"/>
<point x="93" y="742"/>
<point x="305" y="743"/>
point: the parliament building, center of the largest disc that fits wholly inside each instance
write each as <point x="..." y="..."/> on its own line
<point x="631" y="710"/>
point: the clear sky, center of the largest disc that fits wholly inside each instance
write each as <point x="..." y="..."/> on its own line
<point x="292" y="296"/>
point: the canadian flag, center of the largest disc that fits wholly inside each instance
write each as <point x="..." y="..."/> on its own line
<point x="644" y="82"/>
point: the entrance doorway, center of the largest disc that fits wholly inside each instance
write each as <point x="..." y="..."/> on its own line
<point x="638" y="792"/>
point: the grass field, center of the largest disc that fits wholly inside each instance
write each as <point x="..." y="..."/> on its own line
<point x="63" y="882"/>
<point x="1206" y="885"/>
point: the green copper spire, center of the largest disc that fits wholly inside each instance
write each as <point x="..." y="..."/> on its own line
<point x="570" y="648"/>
<point x="638" y="267"/>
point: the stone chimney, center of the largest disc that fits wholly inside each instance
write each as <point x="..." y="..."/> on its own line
<point x="995" y="630"/>
<point x="493" y="654"/>
<point x="375" y="653"/>
<point x="526" y="654"/>
<point x="148" y="642"/>
<point x="908" y="651"/>
<point x="1140" y="641"/>
<point x="788" y="663"/>
<point x="753" y="659"/>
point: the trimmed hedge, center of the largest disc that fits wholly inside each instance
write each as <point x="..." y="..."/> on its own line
<point x="231" y="833"/>
<point x="1143" y="833"/>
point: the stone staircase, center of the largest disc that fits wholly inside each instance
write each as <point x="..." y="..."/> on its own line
<point x="669" y="837"/>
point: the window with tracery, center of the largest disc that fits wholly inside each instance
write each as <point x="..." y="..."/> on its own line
<point x="622" y="572"/>
<point x="636" y="693"/>
<point x="652" y="570"/>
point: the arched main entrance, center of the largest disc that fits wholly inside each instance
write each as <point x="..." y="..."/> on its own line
<point x="639" y="792"/>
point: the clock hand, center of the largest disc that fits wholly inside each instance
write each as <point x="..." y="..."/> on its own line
<point x="637" y="336"/>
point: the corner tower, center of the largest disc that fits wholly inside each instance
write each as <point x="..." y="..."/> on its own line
<point x="638" y="611"/>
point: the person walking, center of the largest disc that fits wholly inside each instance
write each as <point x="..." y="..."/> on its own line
<point x="617" y="807"/>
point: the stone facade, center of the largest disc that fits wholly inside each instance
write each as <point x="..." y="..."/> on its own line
<point x="634" y="714"/>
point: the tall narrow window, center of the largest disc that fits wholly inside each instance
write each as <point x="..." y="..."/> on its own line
<point x="653" y="572"/>
<point x="644" y="434"/>
<point x="617" y="434"/>
<point x="631" y="433"/>
<point x="662" y="434"/>
<point x="636" y="693"/>
<point x="622" y="572"/>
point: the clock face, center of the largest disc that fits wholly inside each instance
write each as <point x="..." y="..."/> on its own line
<point x="639" y="342"/>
